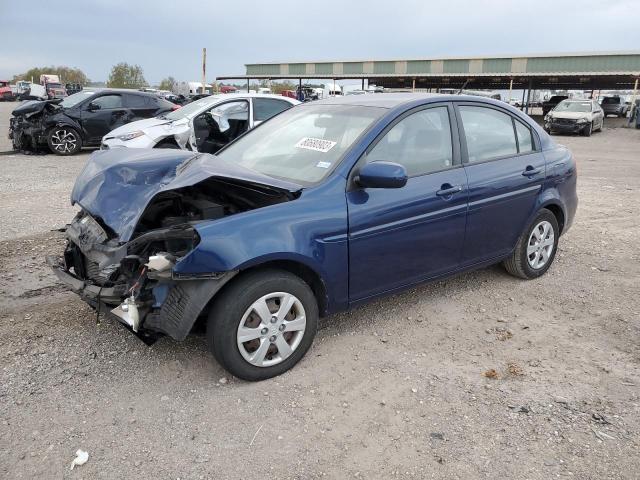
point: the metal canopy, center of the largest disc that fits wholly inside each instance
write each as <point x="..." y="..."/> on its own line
<point x="597" y="70"/>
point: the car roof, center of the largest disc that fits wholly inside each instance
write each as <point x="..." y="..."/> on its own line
<point x="393" y="100"/>
<point x="225" y="96"/>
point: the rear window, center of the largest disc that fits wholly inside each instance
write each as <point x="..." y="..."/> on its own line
<point x="610" y="100"/>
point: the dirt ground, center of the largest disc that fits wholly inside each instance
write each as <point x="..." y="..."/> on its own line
<point x="479" y="376"/>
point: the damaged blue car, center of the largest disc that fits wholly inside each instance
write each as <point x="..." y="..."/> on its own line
<point x="325" y="206"/>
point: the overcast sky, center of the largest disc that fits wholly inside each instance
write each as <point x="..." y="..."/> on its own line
<point x="166" y="38"/>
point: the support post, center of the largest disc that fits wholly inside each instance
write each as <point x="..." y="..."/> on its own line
<point x="334" y="87"/>
<point x="363" y="84"/>
<point x="248" y="80"/>
<point x="510" y="89"/>
<point x="204" y="69"/>
<point x="300" y="94"/>
<point x="633" y="103"/>
<point x="528" y="97"/>
<point x="413" y="85"/>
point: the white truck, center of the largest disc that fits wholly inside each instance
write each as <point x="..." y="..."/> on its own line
<point x="188" y="89"/>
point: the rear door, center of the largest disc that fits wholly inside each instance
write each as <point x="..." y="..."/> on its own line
<point x="505" y="169"/>
<point x="398" y="237"/>
<point x="101" y="115"/>
<point x="139" y="106"/>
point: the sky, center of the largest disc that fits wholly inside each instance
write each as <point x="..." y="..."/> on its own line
<point x="166" y="38"/>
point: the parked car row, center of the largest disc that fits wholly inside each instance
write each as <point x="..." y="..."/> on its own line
<point x="326" y="206"/>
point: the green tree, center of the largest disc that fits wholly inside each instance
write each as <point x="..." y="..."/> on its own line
<point x="124" y="75"/>
<point x="167" y="84"/>
<point x="66" y="74"/>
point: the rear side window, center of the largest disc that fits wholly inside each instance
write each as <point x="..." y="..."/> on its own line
<point x="489" y="134"/>
<point x="525" y="141"/>
<point x="421" y="142"/>
<point x="108" y="101"/>
<point x="136" y="101"/>
<point x="265" y="108"/>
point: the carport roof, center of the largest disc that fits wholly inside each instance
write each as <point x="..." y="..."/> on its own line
<point x="571" y="70"/>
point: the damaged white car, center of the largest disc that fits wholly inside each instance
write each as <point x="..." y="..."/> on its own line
<point x="205" y="125"/>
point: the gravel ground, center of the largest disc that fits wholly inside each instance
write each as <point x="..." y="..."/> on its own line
<point x="479" y="376"/>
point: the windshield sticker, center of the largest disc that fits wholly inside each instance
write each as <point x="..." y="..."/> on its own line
<point x="316" y="144"/>
<point x="323" y="164"/>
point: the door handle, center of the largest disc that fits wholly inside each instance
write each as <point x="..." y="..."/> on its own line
<point x="530" y="171"/>
<point x="447" y="190"/>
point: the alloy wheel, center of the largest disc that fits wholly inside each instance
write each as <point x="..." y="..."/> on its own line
<point x="63" y="140"/>
<point x="540" y="245"/>
<point x="271" y="329"/>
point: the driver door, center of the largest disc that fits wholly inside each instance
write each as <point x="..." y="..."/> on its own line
<point x="214" y="128"/>
<point x="399" y="237"/>
<point x="101" y="115"/>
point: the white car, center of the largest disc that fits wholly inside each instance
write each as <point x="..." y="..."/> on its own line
<point x="205" y="125"/>
<point x="575" y="116"/>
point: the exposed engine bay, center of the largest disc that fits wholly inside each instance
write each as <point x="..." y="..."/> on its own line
<point x="133" y="249"/>
<point x="30" y="122"/>
<point x="136" y="277"/>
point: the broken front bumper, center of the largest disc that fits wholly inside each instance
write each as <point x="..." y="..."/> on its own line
<point x="146" y="302"/>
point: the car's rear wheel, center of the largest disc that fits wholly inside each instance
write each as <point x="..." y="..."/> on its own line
<point x="536" y="247"/>
<point x="64" y="140"/>
<point x="262" y="324"/>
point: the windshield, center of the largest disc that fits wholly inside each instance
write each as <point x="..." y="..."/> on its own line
<point x="566" y="106"/>
<point x="304" y="143"/>
<point x="76" y="98"/>
<point x="191" y="109"/>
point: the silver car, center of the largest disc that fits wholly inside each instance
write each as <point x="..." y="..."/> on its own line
<point x="575" y="116"/>
<point x="205" y="125"/>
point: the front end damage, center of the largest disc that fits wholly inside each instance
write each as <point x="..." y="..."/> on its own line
<point x="139" y="218"/>
<point x="134" y="281"/>
<point x="30" y="122"/>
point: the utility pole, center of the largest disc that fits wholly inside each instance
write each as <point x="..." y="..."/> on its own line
<point x="204" y="69"/>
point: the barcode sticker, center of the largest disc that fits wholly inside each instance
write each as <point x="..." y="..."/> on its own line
<point x="316" y="144"/>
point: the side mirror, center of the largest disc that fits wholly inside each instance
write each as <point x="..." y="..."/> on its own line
<point x="382" y="175"/>
<point x="93" y="107"/>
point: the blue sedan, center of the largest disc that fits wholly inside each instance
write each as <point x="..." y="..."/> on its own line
<point x="324" y="207"/>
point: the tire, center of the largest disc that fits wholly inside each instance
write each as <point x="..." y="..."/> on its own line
<point x="235" y="307"/>
<point x="167" y="145"/>
<point x="519" y="264"/>
<point x="64" y="140"/>
<point x="588" y="130"/>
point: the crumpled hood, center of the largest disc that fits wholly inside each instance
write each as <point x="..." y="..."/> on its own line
<point x="33" y="106"/>
<point x="137" y="125"/>
<point x="117" y="185"/>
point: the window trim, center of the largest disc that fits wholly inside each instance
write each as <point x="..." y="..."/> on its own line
<point x="464" y="152"/>
<point x="269" y="99"/>
<point x="456" y="159"/>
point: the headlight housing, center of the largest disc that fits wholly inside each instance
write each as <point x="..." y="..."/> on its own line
<point x="582" y="120"/>
<point x="130" y="136"/>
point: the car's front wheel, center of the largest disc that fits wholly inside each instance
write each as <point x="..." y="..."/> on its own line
<point x="262" y="324"/>
<point x="64" y="140"/>
<point x="536" y="247"/>
<point x="588" y="130"/>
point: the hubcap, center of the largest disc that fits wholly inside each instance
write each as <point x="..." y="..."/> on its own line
<point x="271" y="329"/>
<point x="63" y="140"/>
<point x="540" y="245"/>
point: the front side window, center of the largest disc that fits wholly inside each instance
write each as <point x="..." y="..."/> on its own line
<point x="108" y="101"/>
<point x="421" y="142"/>
<point x="302" y="144"/>
<point x="489" y="134"/>
<point x="265" y="108"/>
